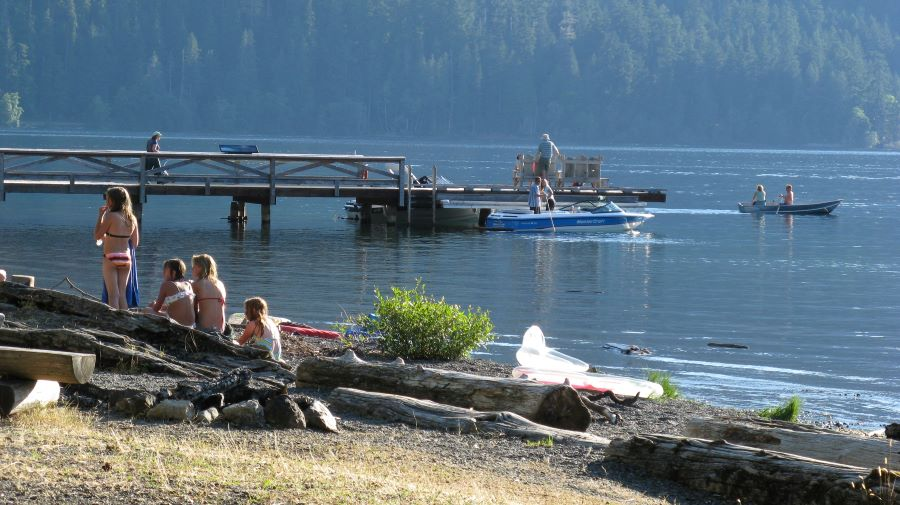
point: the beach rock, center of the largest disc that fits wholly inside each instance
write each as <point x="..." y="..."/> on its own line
<point x="174" y="410"/>
<point x="282" y="412"/>
<point x="892" y="431"/>
<point x="207" y="416"/>
<point x="318" y="416"/>
<point x="246" y="413"/>
<point x="135" y="404"/>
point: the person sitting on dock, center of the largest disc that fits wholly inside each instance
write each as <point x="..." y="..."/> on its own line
<point x="518" y="170"/>
<point x="209" y="303"/>
<point x="261" y="331"/>
<point x="176" y="296"/>
<point x="788" y="197"/>
<point x="759" y="197"/>
<point x="544" y="155"/>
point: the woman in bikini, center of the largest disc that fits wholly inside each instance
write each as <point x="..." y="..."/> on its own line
<point x="210" y="294"/>
<point x="261" y="331"/>
<point x="176" y="296"/>
<point x="116" y="225"/>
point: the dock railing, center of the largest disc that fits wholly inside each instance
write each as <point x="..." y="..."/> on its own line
<point x="59" y="167"/>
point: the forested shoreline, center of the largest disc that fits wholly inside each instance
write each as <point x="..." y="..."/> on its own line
<point x="725" y="72"/>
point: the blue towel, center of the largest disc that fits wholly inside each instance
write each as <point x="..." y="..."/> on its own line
<point x="132" y="293"/>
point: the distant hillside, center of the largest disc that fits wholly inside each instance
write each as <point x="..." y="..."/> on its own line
<point x="748" y="72"/>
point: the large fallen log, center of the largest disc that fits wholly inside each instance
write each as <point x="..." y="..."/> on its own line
<point x="809" y="441"/>
<point x="137" y="340"/>
<point x="428" y="414"/>
<point x="42" y="364"/>
<point x="749" y="474"/>
<point x="552" y="405"/>
<point x="19" y="395"/>
<point x="156" y="330"/>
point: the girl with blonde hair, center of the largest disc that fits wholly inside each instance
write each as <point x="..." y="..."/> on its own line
<point x="261" y="331"/>
<point x="116" y="226"/>
<point x="209" y="303"/>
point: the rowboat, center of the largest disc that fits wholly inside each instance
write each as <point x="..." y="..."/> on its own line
<point x="592" y="215"/>
<point x="821" y="208"/>
<point x="616" y="384"/>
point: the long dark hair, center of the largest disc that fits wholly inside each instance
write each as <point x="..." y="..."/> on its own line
<point x="119" y="201"/>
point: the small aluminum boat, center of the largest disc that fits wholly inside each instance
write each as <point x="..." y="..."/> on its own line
<point x="821" y="208"/>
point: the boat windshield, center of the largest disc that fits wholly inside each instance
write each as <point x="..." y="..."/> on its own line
<point x="593" y="206"/>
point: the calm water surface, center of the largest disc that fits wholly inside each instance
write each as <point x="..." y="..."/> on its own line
<point x="815" y="298"/>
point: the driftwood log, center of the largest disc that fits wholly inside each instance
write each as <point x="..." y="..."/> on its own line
<point x="553" y="405"/>
<point x="40" y="364"/>
<point x="132" y="340"/>
<point x="428" y="414"/>
<point x="798" y="439"/>
<point x="749" y="474"/>
<point x="18" y="395"/>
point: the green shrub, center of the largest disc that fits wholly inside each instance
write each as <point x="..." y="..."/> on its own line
<point x="664" y="379"/>
<point x="787" y="411"/>
<point x="417" y="326"/>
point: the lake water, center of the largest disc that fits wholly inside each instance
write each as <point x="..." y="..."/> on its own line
<point x="815" y="298"/>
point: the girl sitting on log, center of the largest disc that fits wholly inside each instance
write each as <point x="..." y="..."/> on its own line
<point x="176" y="296"/>
<point x="210" y="301"/>
<point x="261" y="331"/>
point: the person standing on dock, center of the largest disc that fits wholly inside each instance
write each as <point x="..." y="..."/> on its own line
<point x="153" y="147"/>
<point x="544" y="156"/>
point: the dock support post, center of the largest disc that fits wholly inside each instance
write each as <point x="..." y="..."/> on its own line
<point x="238" y="212"/>
<point x="365" y="214"/>
<point x="433" y="195"/>
<point x="137" y="208"/>
<point x="2" y="177"/>
<point x="400" y="179"/>
<point x="266" y="213"/>
<point x="482" y="216"/>
<point x="142" y="180"/>
<point x="409" y="195"/>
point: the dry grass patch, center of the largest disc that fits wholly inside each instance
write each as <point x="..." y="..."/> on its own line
<point x="63" y="454"/>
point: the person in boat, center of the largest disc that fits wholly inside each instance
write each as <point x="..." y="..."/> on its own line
<point x="788" y="197"/>
<point x="759" y="197"/>
<point x="209" y="292"/>
<point x="534" y="195"/>
<point x="176" y="296"/>
<point x="546" y="151"/>
<point x="547" y="192"/>
<point x="116" y="226"/>
<point x="261" y="331"/>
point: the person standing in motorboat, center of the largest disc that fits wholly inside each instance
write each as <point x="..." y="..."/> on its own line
<point x="548" y="192"/>
<point x="759" y="197"/>
<point x="788" y="197"/>
<point x="534" y="195"/>
<point x="544" y="156"/>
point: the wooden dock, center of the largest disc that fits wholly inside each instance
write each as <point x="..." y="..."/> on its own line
<point x="259" y="178"/>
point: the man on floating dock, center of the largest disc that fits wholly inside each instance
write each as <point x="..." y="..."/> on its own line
<point x="545" y="153"/>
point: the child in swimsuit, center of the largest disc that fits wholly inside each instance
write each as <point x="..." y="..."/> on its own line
<point x="176" y="296"/>
<point x="116" y="225"/>
<point x="209" y="303"/>
<point x="261" y="331"/>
